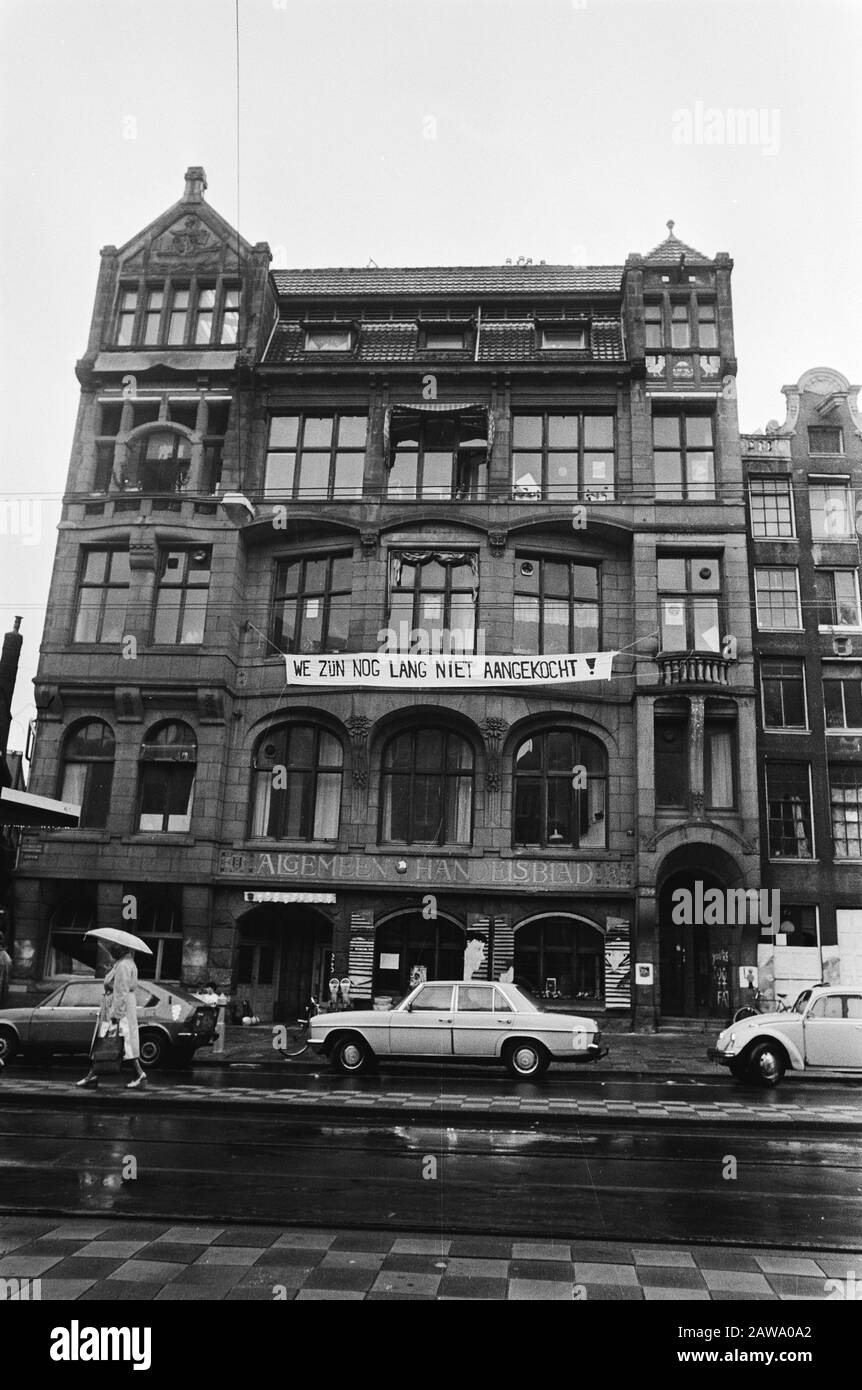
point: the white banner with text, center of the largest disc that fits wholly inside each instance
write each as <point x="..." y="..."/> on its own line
<point x="437" y="671"/>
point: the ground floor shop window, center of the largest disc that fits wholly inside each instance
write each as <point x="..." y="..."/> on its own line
<point x="68" y="952"/>
<point x="560" y="957"/>
<point x="409" y="950"/>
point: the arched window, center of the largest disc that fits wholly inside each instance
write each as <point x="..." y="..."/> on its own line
<point x="167" y="781"/>
<point x="560" y="791"/>
<point x="563" y="957"/>
<point x="296" y="794"/>
<point x="427" y="789"/>
<point x="88" y="771"/>
<point x="160" y="461"/>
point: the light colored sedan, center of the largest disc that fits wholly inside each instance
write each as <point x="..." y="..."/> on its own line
<point x="457" y="1020"/>
<point x="822" y="1032"/>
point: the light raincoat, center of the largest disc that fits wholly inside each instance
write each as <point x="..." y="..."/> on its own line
<point x="121" y="1003"/>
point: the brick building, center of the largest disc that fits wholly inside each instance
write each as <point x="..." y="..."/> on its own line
<point x="517" y="459"/>
<point x="804" y="482"/>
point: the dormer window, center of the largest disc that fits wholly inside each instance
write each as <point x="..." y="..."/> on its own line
<point x="443" y="335"/>
<point x="328" y="337"/>
<point x="563" y="338"/>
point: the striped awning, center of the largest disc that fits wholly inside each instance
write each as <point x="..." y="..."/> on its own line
<point x="394" y="414"/>
<point x="289" y="897"/>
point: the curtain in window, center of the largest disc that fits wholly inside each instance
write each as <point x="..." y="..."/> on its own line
<point x="396" y="414"/>
<point x="721" y="768"/>
<point x="74" y="783"/>
<point x="262" y="800"/>
<point x="327" y="806"/>
<point x="442" y="557"/>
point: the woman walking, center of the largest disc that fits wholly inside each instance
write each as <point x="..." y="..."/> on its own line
<point x="119" y="1006"/>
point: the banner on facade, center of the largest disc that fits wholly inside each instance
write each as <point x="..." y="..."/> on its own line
<point x="438" y="671"/>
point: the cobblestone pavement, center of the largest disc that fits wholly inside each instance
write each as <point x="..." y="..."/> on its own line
<point x="98" y="1259"/>
<point x="173" y="1093"/>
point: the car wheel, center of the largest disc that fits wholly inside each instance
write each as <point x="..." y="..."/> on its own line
<point x="8" y="1045"/>
<point x="155" y="1050"/>
<point x="526" y="1060"/>
<point x="351" y="1055"/>
<point x="766" y="1064"/>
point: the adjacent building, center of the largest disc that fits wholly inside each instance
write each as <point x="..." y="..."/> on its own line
<point x="522" y="460"/>
<point x="804" y="483"/>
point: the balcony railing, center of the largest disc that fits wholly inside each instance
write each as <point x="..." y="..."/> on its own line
<point x="693" y="670"/>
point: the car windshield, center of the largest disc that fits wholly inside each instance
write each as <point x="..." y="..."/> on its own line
<point x="525" y="997"/>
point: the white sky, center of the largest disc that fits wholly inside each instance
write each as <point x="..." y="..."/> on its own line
<point x="554" y="124"/>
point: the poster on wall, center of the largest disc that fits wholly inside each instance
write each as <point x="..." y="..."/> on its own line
<point x="644" y="973"/>
<point x="618" y="964"/>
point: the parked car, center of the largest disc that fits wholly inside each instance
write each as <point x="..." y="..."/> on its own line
<point x="172" y="1023"/>
<point x="457" y="1020"/>
<point x="822" y="1032"/>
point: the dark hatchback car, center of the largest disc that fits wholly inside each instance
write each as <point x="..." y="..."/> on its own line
<point x="172" y="1023"/>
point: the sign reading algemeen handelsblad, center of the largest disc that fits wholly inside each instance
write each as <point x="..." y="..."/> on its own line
<point x="438" y="671"/>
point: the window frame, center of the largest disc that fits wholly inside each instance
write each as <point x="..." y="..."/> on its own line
<point x="853" y="772"/>
<point x="831" y="571"/>
<point x="280" y="597"/>
<point x="572" y="601"/>
<point x="687" y="598"/>
<point x="781" y="678"/>
<point x="681" y="718"/>
<point x="147" y="759"/>
<point x="469" y="463"/>
<point x="88" y="762"/>
<point x="787" y="480"/>
<point x="184" y="587"/>
<point x="834" y="676"/>
<point x="421" y="591"/>
<point x="445" y="775"/>
<point x="827" y="453"/>
<point x="790" y="859"/>
<point x="763" y="569"/>
<point x="838" y="481"/>
<point x="300" y="451"/>
<point x="713" y="722"/>
<point x="546" y="774"/>
<point x="310" y="776"/>
<point x="105" y="588"/>
<point x="682" y="415"/>
<point x="545" y="453"/>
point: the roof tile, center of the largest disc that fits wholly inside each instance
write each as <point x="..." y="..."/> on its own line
<point x="449" y="280"/>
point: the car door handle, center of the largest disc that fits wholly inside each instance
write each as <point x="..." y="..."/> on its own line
<point x="504" y="1020"/>
<point x="444" y="1020"/>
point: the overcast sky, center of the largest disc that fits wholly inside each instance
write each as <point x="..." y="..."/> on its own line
<point x="416" y="132"/>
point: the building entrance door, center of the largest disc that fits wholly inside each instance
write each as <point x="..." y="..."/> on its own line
<point x="283" y="959"/>
<point x="694" y="957"/>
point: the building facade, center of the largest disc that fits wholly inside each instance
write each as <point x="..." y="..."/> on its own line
<point x="804" y="483"/>
<point x="519" y="460"/>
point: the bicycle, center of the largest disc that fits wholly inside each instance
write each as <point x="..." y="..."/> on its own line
<point x="763" y="1005"/>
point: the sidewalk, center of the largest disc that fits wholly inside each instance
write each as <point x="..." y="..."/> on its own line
<point x="637" y="1054"/>
<point x="84" y="1259"/>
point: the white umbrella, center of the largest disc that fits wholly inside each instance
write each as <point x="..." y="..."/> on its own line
<point x="119" y="938"/>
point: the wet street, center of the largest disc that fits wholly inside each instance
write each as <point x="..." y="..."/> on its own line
<point x="684" y="1159"/>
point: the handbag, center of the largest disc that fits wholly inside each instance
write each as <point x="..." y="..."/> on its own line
<point x="106" y="1049"/>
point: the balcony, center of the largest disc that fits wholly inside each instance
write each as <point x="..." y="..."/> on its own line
<point x="683" y="669"/>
